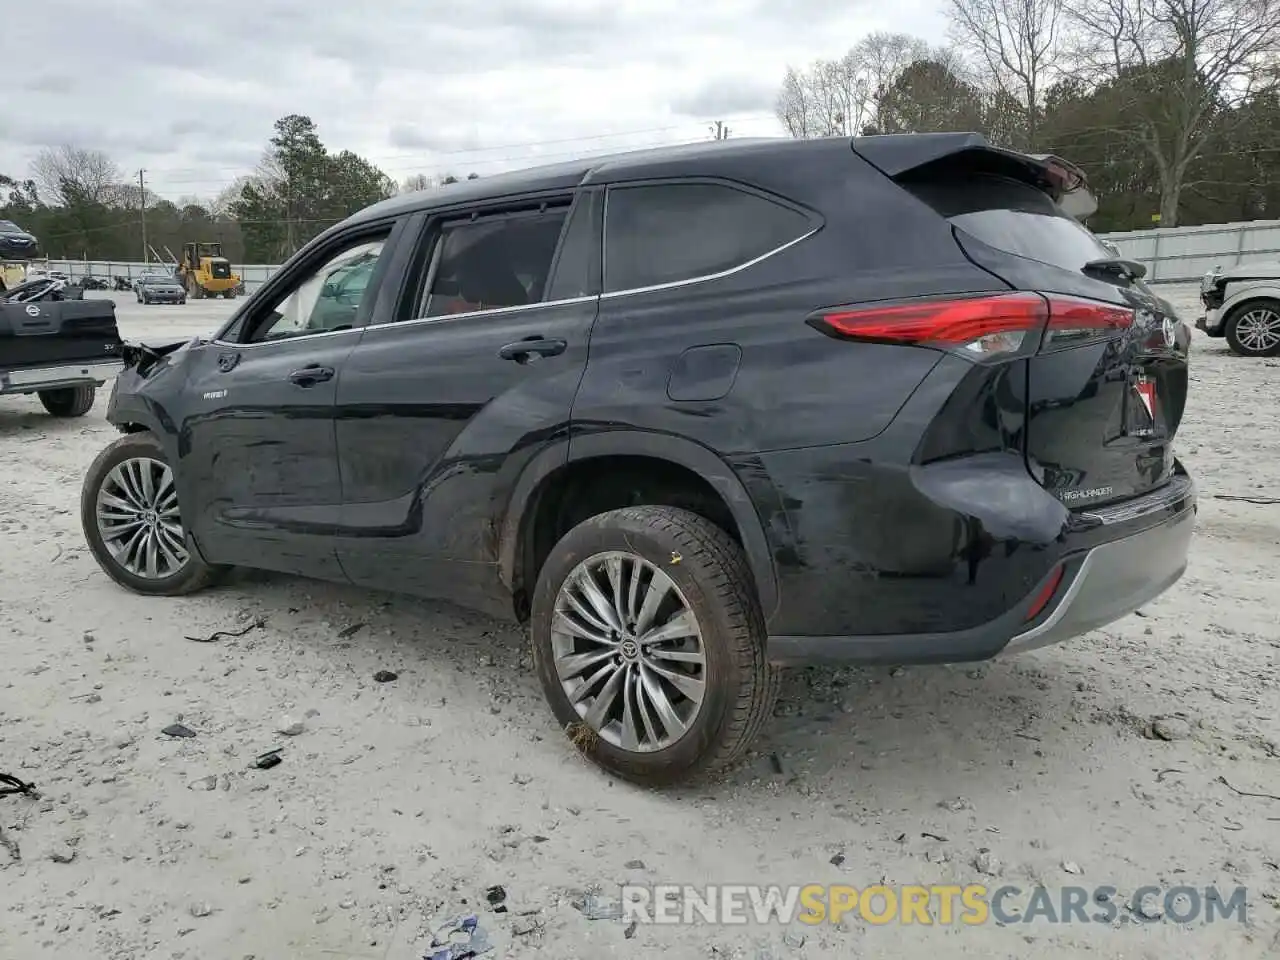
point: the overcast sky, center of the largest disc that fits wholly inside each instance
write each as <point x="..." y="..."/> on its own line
<point x="417" y="86"/>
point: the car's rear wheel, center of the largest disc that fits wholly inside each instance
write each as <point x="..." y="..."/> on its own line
<point x="1253" y="329"/>
<point x="69" y="401"/>
<point x="649" y="643"/>
<point x="132" y="520"/>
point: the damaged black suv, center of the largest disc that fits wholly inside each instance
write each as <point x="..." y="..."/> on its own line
<point x="692" y="414"/>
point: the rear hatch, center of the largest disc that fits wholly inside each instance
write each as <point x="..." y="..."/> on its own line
<point x="52" y="332"/>
<point x="1105" y="396"/>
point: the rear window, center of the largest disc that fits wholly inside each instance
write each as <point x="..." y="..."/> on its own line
<point x="667" y="233"/>
<point x="1011" y="216"/>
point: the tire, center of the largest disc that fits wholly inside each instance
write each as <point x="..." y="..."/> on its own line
<point x="1261" y="334"/>
<point x="713" y="581"/>
<point x="69" y="401"/>
<point x="182" y="301"/>
<point x="171" y="579"/>
<point x="230" y="294"/>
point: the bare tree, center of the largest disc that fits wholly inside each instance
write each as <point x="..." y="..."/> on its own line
<point x="68" y="173"/>
<point x="1016" y="45"/>
<point x="838" y="97"/>
<point x="419" y="181"/>
<point x="1182" y="65"/>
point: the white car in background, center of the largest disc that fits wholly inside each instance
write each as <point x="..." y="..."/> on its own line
<point x="1242" y="303"/>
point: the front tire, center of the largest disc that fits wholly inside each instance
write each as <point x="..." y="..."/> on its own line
<point x="1253" y="329"/>
<point x="650" y="644"/>
<point x="69" y="401"/>
<point x="131" y="519"/>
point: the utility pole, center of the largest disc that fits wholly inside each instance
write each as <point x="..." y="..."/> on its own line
<point x="142" y="208"/>
<point x="719" y="131"/>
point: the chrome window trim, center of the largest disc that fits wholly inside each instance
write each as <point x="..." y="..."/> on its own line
<point x="672" y="284"/>
<point x="275" y="343"/>
<point x="491" y="311"/>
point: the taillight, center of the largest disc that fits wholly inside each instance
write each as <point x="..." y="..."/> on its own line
<point x="1073" y="321"/>
<point x="979" y="326"/>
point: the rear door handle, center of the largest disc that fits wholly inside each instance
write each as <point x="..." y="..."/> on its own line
<point x="522" y="351"/>
<point x="310" y="375"/>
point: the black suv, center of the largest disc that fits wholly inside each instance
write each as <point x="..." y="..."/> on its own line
<point x="693" y="414"/>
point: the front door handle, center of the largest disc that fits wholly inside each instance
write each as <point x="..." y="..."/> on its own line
<point x="310" y="375"/>
<point x="522" y="351"/>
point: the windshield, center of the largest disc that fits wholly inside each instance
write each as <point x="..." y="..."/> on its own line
<point x="9" y="226"/>
<point x="1014" y="217"/>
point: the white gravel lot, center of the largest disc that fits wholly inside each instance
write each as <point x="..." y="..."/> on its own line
<point x="400" y="803"/>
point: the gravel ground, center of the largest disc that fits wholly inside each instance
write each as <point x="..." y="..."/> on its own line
<point x="399" y="803"/>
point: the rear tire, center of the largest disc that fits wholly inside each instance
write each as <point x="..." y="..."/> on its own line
<point x="1253" y="329"/>
<point x="69" y="401"/>
<point x="130" y="528"/>
<point x="724" y="690"/>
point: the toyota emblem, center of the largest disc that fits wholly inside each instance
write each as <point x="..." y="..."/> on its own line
<point x="33" y="310"/>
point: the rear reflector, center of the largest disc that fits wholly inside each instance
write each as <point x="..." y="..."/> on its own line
<point x="978" y="326"/>
<point x="1046" y="594"/>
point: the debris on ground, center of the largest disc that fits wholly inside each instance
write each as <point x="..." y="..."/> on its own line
<point x="265" y="761"/>
<point x="987" y="863"/>
<point x="178" y="730"/>
<point x="593" y="906"/>
<point x="1169" y="728"/>
<point x="459" y="939"/>
<point x="497" y="898"/>
<point x="385" y="676"/>
<point x="9" y="784"/>
<point x="219" y="634"/>
<point x="347" y="632"/>
<point x="290" y="727"/>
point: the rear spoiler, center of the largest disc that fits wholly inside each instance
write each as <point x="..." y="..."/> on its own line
<point x="899" y="154"/>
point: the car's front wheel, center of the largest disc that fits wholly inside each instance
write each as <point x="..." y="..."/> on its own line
<point x="69" y="401"/>
<point x="132" y="520"/>
<point x="1253" y="329"/>
<point x="649" y="643"/>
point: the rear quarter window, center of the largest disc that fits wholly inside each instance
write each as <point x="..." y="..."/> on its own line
<point x="672" y="232"/>
<point x="1011" y="216"/>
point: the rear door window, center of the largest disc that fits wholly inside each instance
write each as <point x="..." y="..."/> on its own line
<point x="1011" y="216"/>
<point x="672" y="232"/>
<point x="490" y="264"/>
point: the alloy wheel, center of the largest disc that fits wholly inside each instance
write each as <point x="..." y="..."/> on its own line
<point x="138" y="518"/>
<point x="628" y="651"/>
<point x="1259" y="330"/>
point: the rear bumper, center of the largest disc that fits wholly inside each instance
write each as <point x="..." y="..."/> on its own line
<point x="54" y="377"/>
<point x="1112" y="561"/>
<point x="1211" y="322"/>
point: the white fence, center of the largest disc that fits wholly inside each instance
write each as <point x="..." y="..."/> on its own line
<point x="1188" y="253"/>
<point x="254" y="275"/>
<point x="1176" y="254"/>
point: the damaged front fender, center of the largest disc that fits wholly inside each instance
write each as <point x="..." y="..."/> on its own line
<point x="144" y="389"/>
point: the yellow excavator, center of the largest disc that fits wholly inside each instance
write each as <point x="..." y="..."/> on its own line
<point x="205" y="272"/>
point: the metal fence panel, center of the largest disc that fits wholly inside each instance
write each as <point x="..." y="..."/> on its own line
<point x="1175" y="254"/>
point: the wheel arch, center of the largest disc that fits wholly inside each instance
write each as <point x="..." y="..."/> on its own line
<point x="669" y="455"/>
<point x="1246" y="295"/>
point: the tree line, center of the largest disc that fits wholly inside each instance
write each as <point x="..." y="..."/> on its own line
<point x="82" y="206"/>
<point x="1172" y="107"/>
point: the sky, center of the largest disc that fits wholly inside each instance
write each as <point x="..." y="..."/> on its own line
<point x="416" y="86"/>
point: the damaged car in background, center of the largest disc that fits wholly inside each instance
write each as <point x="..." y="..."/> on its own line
<point x="1242" y="304"/>
<point x="57" y="345"/>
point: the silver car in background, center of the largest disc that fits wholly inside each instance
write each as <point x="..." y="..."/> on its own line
<point x="1242" y="304"/>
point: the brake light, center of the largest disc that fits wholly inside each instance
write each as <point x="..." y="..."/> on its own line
<point x="1073" y="321"/>
<point x="978" y="326"/>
